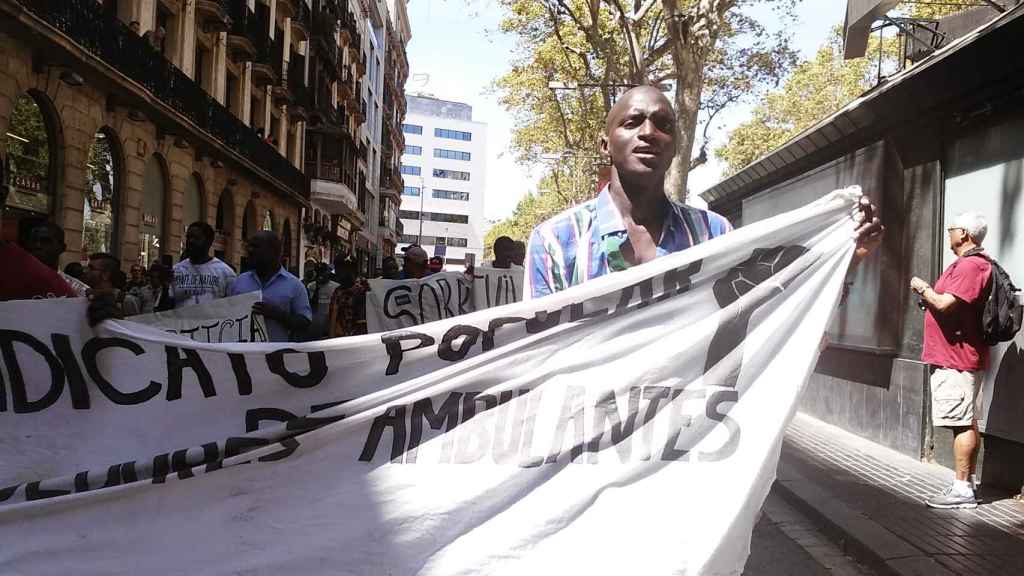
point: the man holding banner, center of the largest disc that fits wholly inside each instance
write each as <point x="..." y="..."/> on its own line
<point x="632" y="221"/>
<point x="285" y="303"/>
<point x="515" y="440"/>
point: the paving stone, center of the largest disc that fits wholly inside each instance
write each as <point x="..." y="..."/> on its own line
<point x="878" y="497"/>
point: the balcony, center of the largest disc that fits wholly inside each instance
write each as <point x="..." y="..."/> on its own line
<point x="334" y="187"/>
<point x="302" y="22"/>
<point x="240" y="46"/>
<point x="324" y="25"/>
<point x="279" y="91"/>
<point x="348" y="28"/>
<point x="212" y="15"/>
<point x="389" y="234"/>
<point x="289" y="8"/>
<point x="112" y="42"/>
<point x="301" y="99"/>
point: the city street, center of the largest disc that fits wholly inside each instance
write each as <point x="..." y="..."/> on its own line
<point x="786" y="543"/>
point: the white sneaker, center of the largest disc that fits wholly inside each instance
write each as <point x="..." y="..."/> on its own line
<point x="951" y="498"/>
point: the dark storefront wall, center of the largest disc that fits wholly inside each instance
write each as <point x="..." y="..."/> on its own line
<point x="868" y="380"/>
<point x="864" y="322"/>
<point x="985" y="173"/>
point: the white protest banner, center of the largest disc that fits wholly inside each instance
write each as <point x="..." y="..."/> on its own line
<point x="218" y="321"/>
<point x="395" y="304"/>
<point x="629" y="425"/>
<point x="496" y="286"/>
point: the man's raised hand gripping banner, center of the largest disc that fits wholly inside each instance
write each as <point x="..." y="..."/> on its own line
<point x="629" y="425"/>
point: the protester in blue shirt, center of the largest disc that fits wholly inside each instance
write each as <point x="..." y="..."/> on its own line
<point x="285" y="304"/>
<point x="632" y="221"/>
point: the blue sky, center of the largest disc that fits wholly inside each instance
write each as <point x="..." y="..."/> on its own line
<point x="457" y="50"/>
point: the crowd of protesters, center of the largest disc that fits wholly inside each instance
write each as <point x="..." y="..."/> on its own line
<point x="328" y="302"/>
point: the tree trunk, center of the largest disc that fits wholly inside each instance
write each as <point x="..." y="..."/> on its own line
<point x="692" y="37"/>
<point x="689" y="64"/>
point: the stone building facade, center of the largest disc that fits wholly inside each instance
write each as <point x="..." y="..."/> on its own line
<point x="123" y="144"/>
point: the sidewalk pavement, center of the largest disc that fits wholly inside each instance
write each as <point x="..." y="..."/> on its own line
<point x="871" y="500"/>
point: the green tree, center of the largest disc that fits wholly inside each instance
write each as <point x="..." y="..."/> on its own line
<point x="938" y="8"/>
<point x="709" y="54"/>
<point x="30" y="146"/>
<point x="818" y="88"/>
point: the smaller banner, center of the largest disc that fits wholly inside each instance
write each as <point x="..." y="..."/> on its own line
<point x="496" y="286"/>
<point x="396" y="304"/>
<point x="218" y="321"/>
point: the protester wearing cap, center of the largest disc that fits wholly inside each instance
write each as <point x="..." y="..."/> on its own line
<point x="954" y="349"/>
<point x="632" y="221"/>
<point x="285" y="304"/>
<point x="414" y="265"/>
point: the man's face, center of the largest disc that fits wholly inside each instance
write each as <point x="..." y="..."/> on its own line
<point x="641" y="133"/>
<point x="260" y="254"/>
<point x="96" y="275"/>
<point x="519" y="254"/>
<point x="196" y="242"/>
<point x="957" y="237"/>
<point x="415" y="263"/>
<point x="45" y="246"/>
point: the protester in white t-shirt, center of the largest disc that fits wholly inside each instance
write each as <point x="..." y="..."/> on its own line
<point x="200" y="277"/>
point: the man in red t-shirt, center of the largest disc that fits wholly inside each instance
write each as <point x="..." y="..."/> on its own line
<point x="955" y="350"/>
<point x="24" y="277"/>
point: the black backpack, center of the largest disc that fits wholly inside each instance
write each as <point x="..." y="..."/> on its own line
<point x="1001" y="317"/>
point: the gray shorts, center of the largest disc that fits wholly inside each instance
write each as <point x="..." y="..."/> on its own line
<point x="956" y="397"/>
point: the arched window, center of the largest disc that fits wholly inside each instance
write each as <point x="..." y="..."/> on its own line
<point x="32" y="157"/>
<point x="154" y="193"/>
<point x="101" y="209"/>
<point x="248" y="221"/>
<point x="225" y="219"/>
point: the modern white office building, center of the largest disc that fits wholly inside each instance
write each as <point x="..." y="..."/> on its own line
<point x="443" y="168"/>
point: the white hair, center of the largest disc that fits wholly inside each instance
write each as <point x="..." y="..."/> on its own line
<point x="974" y="224"/>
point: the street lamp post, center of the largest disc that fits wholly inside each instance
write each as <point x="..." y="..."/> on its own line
<point x="423" y="190"/>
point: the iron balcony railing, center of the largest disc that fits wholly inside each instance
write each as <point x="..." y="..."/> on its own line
<point x="304" y="15"/>
<point x="112" y="41"/>
<point x="301" y="95"/>
<point x="245" y="22"/>
<point x="277" y="57"/>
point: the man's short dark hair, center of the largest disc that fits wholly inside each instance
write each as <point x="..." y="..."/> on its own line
<point x="504" y="243"/>
<point x="75" y="270"/>
<point x="205" y="228"/>
<point x="110" y="263"/>
<point x="30" y="223"/>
